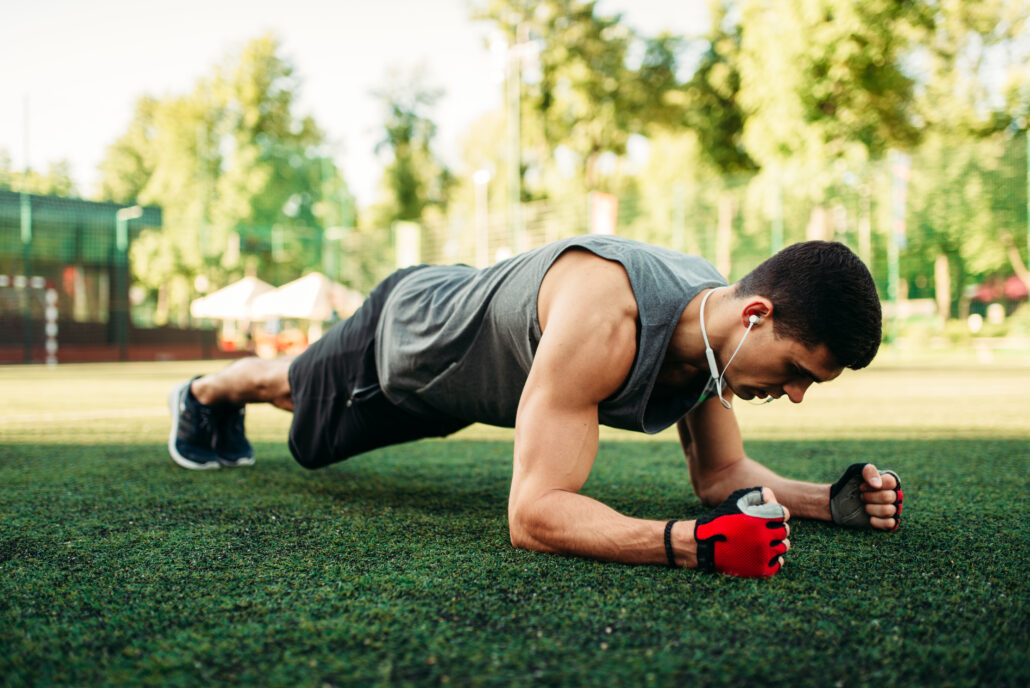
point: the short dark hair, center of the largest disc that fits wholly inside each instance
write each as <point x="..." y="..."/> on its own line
<point x="822" y="293"/>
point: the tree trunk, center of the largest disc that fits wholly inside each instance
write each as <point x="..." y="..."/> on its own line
<point x="590" y="177"/>
<point x="817" y="224"/>
<point x="942" y="286"/>
<point x="161" y="312"/>
<point x="724" y="235"/>
<point x="1018" y="266"/>
<point x="865" y="229"/>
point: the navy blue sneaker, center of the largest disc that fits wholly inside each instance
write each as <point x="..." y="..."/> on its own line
<point x="231" y="443"/>
<point x="192" y="440"/>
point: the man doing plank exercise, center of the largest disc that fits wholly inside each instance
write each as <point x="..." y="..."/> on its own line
<point x="558" y="340"/>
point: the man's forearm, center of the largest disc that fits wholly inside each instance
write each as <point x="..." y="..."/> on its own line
<point x="565" y="522"/>
<point x="804" y="499"/>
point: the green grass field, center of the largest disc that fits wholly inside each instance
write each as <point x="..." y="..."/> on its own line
<point x="117" y="567"/>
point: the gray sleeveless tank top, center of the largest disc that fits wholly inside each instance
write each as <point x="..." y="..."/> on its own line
<point x="459" y="342"/>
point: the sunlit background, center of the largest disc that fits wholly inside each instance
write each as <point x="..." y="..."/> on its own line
<point x="152" y="154"/>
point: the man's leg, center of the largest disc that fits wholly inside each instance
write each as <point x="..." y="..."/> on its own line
<point x="247" y="381"/>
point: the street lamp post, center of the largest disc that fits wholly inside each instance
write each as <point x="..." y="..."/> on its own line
<point x="121" y="310"/>
<point x="522" y="51"/>
<point x="481" y="178"/>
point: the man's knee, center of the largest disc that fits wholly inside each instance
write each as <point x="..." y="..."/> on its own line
<point x="311" y="458"/>
<point x="273" y="380"/>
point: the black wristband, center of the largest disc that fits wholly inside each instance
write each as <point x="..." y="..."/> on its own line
<point x="668" y="543"/>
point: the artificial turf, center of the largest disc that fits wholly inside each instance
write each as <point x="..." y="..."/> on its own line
<point x="394" y="568"/>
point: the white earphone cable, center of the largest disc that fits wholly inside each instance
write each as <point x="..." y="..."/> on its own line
<point x="710" y="354"/>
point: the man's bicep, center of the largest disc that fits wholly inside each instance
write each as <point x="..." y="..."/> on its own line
<point x="583" y="357"/>
<point x="555" y="446"/>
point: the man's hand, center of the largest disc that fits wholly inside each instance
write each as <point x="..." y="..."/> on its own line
<point x="745" y="536"/>
<point x="867" y="498"/>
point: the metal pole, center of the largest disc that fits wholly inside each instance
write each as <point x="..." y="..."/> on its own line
<point x="121" y="269"/>
<point x="679" y="216"/>
<point x="900" y="166"/>
<point x="26" y="237"/>
<point x="480" y="179"/>
<point x="892" y="246"/>
<point x="514" y="97"/>
<point x="26" y="266"/>
<point x="121" y="330"/>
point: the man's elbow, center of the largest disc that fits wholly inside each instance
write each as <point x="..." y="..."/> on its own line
<point x="518" y="538"/>
<point x="519" y="529"/>
<point x="526" y="529"/>
<point x="705" y="489"/>
<point x="713" y="486"/>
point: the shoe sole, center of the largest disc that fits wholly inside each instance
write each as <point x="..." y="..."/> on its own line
<point x="246" y="461"/>
<point x="173" y="406"/>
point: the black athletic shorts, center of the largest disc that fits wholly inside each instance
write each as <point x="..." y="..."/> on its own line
<point x="339" y="409"/>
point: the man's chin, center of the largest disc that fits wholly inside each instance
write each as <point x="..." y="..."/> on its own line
<point x="747" y="393"/>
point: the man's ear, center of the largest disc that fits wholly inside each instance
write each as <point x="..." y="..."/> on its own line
<point x="758" y="307"/>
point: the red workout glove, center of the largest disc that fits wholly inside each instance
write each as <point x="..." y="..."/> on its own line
<point x="743" y="536"/>
<point x="846" y="505"/>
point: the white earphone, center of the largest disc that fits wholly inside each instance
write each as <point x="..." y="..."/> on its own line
<point x="710" y="355"/>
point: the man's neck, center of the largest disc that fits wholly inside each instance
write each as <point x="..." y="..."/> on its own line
<point x="685" y="357"/>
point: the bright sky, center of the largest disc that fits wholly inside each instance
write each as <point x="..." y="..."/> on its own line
<point x="81" y="66"/>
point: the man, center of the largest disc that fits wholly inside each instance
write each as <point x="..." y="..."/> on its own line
<point x="555" y="341"/>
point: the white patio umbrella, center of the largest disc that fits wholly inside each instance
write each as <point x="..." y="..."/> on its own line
<point x="312" y="297"/>
<point x="233" y="302"/>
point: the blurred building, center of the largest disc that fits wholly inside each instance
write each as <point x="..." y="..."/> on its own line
<point x="64" y="275"/>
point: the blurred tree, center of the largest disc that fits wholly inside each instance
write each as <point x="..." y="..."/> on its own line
<point x="595" y="83"/>
<point x="823" y="80"/>
<point x="715" y="114"/>
<point x="975" y="90"/>
<point x="967" y="213"/>
<point x="56" y="181"/>
<point x="972" y="60"/>
<point x="714" y="110"/>
<point x="413" y="178"/>
<point x="245" y="183"/>
<point x="129" y="162"/>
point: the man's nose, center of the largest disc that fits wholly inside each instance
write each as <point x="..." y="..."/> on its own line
<point x="795" y="391"/>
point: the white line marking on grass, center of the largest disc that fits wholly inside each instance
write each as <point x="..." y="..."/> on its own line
<point x="156" y="411"/>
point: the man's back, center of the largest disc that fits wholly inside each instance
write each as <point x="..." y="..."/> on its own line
<point x="461" y="342"/>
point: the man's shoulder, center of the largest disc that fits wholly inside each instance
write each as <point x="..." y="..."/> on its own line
<point x="585" y="277"/>
<point x="639" y="256"/>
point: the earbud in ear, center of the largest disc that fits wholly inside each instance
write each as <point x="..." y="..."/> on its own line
<point x="754" y="319"/>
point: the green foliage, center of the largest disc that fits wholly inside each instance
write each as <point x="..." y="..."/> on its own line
<point x="231" y="164"/>
<point x="965" y="202"/>
<point x="56" y="181"/>
<point x="413" y="179"/>
<point x="974" y="56"/>
<point x="781" y="130"/>
<point x="583" y="93"/>
<point x="714" y="110"/>
<point x="823" y="80"/>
